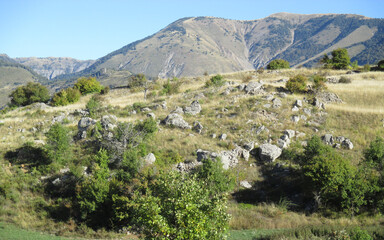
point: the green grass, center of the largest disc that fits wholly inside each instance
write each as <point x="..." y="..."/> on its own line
<point x="11" y="232"/>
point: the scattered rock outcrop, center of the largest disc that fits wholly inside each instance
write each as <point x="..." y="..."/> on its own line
<point x="194" y="109"/>
<point x="254" y="88"/>
<point x="269" y="152"/>
<point x="83" y="125"/>
<point x="176" y="120"/>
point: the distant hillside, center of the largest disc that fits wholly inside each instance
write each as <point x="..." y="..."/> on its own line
<point x="13" y="74"/>
<point x="52" y="67"/>
<point x="192" y="46"/>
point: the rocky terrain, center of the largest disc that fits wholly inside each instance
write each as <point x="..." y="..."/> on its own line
<point x="52" y="67"/>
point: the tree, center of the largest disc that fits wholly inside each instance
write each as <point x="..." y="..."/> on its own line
<point x="297" y="84"/>
<point x="332" y="177"/>
<point x="216" y="81"/>
<point x="28" y="94"/>
<point x="340" y="59"/>
<point x="278" y="64"/>
<point x="176" y="206"/>
<point x="93" y="190"/>
<point x="88" y="85"/>
<point x="58" y="143"/>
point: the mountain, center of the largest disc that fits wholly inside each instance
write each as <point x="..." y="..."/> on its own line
<point x="13" y="74"/>
<point x="192" y="46"/>
<point x="52" y="67"/>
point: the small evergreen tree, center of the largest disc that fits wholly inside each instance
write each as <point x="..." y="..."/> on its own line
<point x="297" y="84"/>
<point x="58" y="143"/>
<point x="340" y="59"/>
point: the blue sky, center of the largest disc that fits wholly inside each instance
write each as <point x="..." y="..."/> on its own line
<point x="85" y="29"/>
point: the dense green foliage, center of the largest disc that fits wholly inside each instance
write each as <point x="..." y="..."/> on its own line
<point x="176" y="206"/>
<point x="58" y="143"/>
<point x="93" y="106"/>
<point x="340" y="59"/>
<point x="88" y="85"/>
<point x="28" y="94"/>
<point x="66" y="96"/>
<point x="278" y="64"/>
<point x="216" y="81"/>
<point x="297" y="84"/>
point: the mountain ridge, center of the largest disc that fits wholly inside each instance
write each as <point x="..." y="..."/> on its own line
<point x="193" y="45"/>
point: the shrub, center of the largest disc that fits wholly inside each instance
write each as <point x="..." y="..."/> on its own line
<point x="278" y="64"/>
<point x="344" y="79"/>
<point x="171" y="87"/>
<point x="333" y="177"/>
<point x="88" y="85"/>
<point x="148" y="127"/>
<point x="319" y="83"/>
<point x="58" y="143"/>
<point x="358" y="234"/>
<point x="93" y="106"/>
<point x="66" y="96"/>
<point x="176" y="206"/>
<point x="380" y="65"/>
<point x="374" y="154"/>
<point x="215" y="177"/>
<point x="297" y="84"/>
<point x="28" y="94"/>
<point x="93" y="190"/>
<point x="216" y="81"/>
<point x="366" y="68"/>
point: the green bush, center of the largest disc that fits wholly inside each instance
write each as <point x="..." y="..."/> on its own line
<point x="66" y="96"/>
<point x="278" y="64"/>
<point x="332" y="177"/>
<point x="58" y="143"/>
<point x="93" y="106"/>
<point x="215" y="177"/>
<point x="92" y="191"/>
<point x="297" y="84"/>
<point x="216" y="81"/>
<point x="88" y="85"/>
<point x="148" y="127"/>
<point x="319" y="83"/>
<point x="171" y="87"/>
<point x="175" y="206"/>
<point x="374" y="154"/>
<point x="358" y="234"/>
<point x="28" y="94"/>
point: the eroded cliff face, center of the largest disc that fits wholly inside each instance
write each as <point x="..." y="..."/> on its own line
<point x="51" y="67"/>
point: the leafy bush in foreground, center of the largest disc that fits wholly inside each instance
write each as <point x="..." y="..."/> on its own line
<point x="297" y="84"/>
<point x="176" y="206"/>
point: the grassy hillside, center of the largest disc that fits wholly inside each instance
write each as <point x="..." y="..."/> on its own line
<point x="272" y="204"/>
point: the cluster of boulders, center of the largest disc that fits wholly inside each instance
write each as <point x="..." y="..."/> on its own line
<point x="337" y="142"/>
<point x="175" y="119"/>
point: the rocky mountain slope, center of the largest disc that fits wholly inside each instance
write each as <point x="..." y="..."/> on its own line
<point x="52" y="67"/>
<point x="192" y="46"/>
